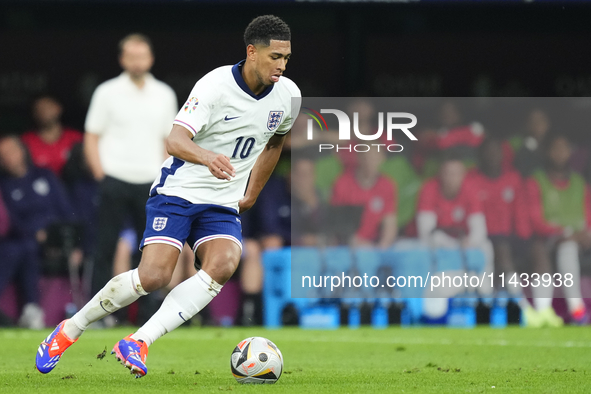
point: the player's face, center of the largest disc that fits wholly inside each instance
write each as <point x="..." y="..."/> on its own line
<point x="270" y="62"/>
<point x="136" y="58"/>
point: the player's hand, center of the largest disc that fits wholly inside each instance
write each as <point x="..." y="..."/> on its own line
<point x="220" y="167"/>
<point x="245" y="204"/>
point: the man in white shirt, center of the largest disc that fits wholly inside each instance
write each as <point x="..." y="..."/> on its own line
<point x="126" y="127"/>
<point x="225" y="143"/>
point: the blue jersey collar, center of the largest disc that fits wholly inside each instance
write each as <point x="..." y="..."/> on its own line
<point x="237" y="73"/>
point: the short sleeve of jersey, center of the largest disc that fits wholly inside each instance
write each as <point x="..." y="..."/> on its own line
<point x="296" y="103"/>
<point x="97" y="112"/>
<point x="195" y="113"/>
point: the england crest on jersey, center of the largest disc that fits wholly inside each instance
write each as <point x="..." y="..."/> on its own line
<point x="274" y="120"/>
<point x="159" y="223"/>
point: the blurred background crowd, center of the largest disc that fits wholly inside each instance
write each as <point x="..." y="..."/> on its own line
<point x="518" y="189"/>
<point x="499" y="175"/>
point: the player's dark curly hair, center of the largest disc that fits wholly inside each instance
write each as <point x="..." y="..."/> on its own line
<point x="265" y="28"/>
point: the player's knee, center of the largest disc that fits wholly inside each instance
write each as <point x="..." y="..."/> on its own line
<point x="222" y="266"/>
<point x="157" y="265"/>
<point x="154" y="279"/>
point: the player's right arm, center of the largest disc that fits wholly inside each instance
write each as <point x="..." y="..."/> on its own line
<point x="180" y="145"/>
<point x="193" y="118"/>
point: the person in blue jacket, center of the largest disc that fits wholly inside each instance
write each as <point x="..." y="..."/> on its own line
<point x="35" y="199"/>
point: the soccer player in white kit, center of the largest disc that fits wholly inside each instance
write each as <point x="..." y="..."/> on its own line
<point x="224" y="145"/>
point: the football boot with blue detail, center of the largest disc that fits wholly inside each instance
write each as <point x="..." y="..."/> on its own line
<point x="51" y="349"/>
<point x="132" y="354"/>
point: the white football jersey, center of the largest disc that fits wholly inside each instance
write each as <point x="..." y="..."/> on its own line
<point x="226" y="117"/>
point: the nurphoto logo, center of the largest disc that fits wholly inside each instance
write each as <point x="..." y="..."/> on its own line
<point x="392" y="120"/>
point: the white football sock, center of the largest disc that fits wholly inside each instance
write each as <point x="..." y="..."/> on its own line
<point x="567" y="262"/>
<point x="180" y="305"/>
<point x="119" y="292"/>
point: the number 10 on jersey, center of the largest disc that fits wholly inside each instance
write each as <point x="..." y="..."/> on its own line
<point x="243" y="150"/>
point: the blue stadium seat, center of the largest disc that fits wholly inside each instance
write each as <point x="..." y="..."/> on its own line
<point x="475" y="260"/>
<point x="338" y="260"/>
<point x="281" y="267"/>
<point x="411" y="262"/>
<point x="369" y="261"/>
<point x="409" y="259"/>
<point x="448" y="260"/>
<point x="277" y="284"/>
<point x="285" y="268"/>
<point x="305" y="262"/>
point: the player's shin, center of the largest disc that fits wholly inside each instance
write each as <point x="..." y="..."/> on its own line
<point x="180" y="305"/>
<point x="119" y="292"/>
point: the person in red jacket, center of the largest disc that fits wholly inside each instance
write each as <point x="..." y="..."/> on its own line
<point x="501" y="196"/>
<point x="368" y="188"/>
<point x="559" y="205"/>
<point x="453" y="136"/>
<point x="50" y="143"/>
<point x="450" y="215"/>
<point x="454" y="133"/>
<point x="449" y="211"/>
<point x="524" y="152"/>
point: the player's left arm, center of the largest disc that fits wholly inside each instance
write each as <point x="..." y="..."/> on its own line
<point x="262" y="170"/>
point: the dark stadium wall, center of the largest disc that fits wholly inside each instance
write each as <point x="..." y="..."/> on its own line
<point x="68" y="48"/>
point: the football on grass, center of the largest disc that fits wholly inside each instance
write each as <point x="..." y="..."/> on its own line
<point x="256" y="360"/>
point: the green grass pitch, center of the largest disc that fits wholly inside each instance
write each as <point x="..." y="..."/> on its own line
<point x="395" y="360"/>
